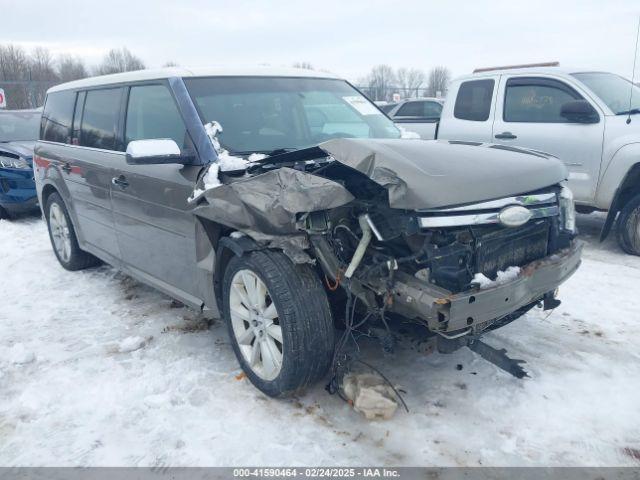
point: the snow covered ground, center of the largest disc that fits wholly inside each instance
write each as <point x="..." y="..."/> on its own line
<point x="96" y="369"/>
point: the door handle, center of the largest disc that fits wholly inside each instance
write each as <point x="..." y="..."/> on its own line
<point x="120" y="181"/>
<point x="506" y="136"/>
<point x="66" y="168"/>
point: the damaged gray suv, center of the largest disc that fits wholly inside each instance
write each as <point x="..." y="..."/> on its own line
<point x="286" y="202"/>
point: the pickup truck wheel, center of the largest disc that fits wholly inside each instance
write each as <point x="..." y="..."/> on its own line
<point x="3" y="214"/>
<point x="628" y="228"/>
<point x="63" y="236"/>
<point x="279" y="322"/>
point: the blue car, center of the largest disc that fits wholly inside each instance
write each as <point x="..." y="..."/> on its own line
<point x="18" y="131"/>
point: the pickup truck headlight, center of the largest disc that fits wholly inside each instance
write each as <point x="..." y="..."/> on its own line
<point x="8" y="162"/>
<point x="567" y="209"/>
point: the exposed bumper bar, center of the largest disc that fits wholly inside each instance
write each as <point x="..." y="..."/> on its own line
<point x="445" y="312"/>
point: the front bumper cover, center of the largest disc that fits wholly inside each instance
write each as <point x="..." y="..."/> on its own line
<point x="476" y="309"/>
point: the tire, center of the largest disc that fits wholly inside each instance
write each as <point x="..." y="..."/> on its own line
<point x="4" y="215"/>
<point x="628" y="227"/>
<point x="294" y="304"/>
<point x="71" y="257"/>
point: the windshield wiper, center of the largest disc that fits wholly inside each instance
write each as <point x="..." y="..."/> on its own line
<point x="633" y="111"/>
<point x="280" y="151"/>
<point x="268" y="153"/>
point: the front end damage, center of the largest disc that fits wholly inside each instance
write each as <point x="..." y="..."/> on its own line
<point x="419" y="231"/>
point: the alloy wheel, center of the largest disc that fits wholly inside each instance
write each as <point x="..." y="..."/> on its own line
<point x="256" y="325"/>
<point x="60" y="232"/>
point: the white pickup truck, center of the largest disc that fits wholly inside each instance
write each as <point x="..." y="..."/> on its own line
<point x="584" y="118"/>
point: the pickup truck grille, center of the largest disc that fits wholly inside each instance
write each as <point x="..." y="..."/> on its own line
<point x="508" y="247"/>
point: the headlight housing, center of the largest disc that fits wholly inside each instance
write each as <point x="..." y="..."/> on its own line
<point x="567" y="209"/>
<point x="10" y="162"/>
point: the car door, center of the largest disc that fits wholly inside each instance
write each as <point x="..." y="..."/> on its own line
<point x="88" y="167"/>
<point x="529" y="116"/>
<point x="154" y="224"/>
<point x="419" y="116"/>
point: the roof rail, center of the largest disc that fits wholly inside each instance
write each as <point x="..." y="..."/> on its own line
<point x="511" y="67"/>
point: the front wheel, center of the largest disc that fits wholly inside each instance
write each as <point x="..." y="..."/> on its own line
<point x="279" y="322"/>
<point x="628" y="227"/>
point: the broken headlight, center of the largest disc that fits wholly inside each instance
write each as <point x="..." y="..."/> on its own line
<point x="567" y="209"/>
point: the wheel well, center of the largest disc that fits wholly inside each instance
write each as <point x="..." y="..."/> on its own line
<point x="629" y="187"/>
<point x="47" y="190"/>
<point x="225" y="248"/>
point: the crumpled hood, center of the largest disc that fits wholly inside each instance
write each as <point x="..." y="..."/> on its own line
<point x="267" y="205"/>
<point x="421" y="174"/>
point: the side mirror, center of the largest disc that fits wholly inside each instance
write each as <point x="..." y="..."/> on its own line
<point x="579" y="111"/>
<point x="155" y="152"/>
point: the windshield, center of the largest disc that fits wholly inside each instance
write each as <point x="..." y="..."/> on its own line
<point x="613" y="90"/>
<point x="19" y="126"/>
<point x="266" y="114"/>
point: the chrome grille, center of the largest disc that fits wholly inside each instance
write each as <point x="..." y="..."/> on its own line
<point x="541" y="205"/>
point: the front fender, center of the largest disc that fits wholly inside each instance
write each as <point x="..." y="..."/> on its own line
<point x="620" y="179"/>
<point x="613" y="176"/>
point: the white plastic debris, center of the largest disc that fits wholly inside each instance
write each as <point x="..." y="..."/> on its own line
<point x="502" y="277"/>
<point x="370" y="395"/>
<point x="18" y="354"/>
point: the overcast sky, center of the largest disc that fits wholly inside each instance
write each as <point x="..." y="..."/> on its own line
<point x="343" y="36"/>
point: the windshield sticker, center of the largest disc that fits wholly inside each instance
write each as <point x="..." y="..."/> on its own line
<point x="362" y="105"/>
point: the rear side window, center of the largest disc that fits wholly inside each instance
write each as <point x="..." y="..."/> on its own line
<point x="410" y="109"/>
<point x="57" y="116"/>
<point x="420" y="109"/>
<point x="152" y="113"/>
<point x="536" y="100"/>
<point x="474" y="100"/>
<point x="432" y="109"/>
<point x="100" y="118"/>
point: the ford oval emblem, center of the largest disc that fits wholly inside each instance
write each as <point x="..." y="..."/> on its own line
<point x="514" y="216"/>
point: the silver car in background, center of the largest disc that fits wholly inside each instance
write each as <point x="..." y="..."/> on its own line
<point x="417" y="115"/>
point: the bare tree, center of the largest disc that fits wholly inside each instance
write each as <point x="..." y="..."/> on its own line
<point x="42" y="75"/>
<point x="410" y="80"/>
<point x="41" y="65"/>
<point x="438" y="81"/>
<point x="380" y="82"/>
<point x="119" y="60"/>
<point x="170" y="63"/>
<point x="305" y="65"/>
<point x="71" y="68"/>
<point x="14" y="71"/>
